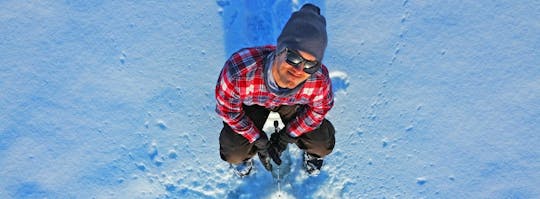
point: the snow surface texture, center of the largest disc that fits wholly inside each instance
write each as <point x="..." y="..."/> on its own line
<point x="114" y="99"/>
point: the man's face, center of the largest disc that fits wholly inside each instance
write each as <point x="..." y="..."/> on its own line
<point x="286" y="75"/>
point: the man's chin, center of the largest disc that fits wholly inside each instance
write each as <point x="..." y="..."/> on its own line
<point x="291" y="85"/>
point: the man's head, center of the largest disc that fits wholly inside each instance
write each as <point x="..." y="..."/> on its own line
<point x="305" y="31"/>
<point x="300" y="47"/>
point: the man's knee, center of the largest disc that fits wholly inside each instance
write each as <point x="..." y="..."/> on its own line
<point x="320" y="141"/>
<point x="232" y="158"/>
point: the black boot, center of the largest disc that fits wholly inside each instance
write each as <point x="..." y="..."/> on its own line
<point x="312" y="164"/>
<point x="244" y="168"/>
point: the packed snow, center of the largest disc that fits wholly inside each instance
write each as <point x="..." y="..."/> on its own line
<point x="115" y="99"/>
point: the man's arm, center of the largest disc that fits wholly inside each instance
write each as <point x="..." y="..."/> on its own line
<point x="310" y="118"/>
<point x="229" y="105"/>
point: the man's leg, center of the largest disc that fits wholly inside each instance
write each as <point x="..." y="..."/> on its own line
<point x="233" y="147"/>
<point x="319" y="142"/>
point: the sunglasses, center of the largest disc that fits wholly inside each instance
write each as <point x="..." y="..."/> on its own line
<point x="295" y="59"/>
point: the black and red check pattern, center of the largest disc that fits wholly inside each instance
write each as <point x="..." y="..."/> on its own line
<point x="242" y="82"/>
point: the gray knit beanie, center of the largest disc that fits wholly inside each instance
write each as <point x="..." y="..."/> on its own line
<point x="305" y="31"/>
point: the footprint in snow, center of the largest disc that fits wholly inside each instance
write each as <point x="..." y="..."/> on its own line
<point x="340" y="81"/>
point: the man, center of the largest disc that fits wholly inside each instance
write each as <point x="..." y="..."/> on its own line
<point x="288" y="79"/>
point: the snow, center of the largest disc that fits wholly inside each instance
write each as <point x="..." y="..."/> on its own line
<point x="114" y="99"/>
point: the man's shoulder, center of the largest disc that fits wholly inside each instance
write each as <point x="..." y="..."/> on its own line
<point x="255" y="51"/>
<point x="249" y="58"/>
<point x="250" y="54"/>
<point x="321" y="75"/>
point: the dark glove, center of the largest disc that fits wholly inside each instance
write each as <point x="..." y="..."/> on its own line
<point x="261" y="146"/>
<point x="278" y="144"/>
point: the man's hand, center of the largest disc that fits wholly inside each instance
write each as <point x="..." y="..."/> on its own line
<point x="278" y="144"/>
<point x="262" y="145"/>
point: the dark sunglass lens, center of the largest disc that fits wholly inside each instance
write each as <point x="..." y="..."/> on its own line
<point x="310" y="64"/>
<point x="311" y="70"/>
<point x="294" y="58"/>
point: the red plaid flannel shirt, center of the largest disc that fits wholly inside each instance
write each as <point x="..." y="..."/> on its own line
<point x="242" y="82"/>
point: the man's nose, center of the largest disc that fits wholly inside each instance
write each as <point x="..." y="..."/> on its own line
<point x="298" y="68"/>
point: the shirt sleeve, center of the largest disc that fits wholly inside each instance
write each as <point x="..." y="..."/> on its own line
<point x="229" y="105"/>
<point x="312" y="116"/>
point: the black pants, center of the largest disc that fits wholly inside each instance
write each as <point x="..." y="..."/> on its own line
<point x="234" y="148"/>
